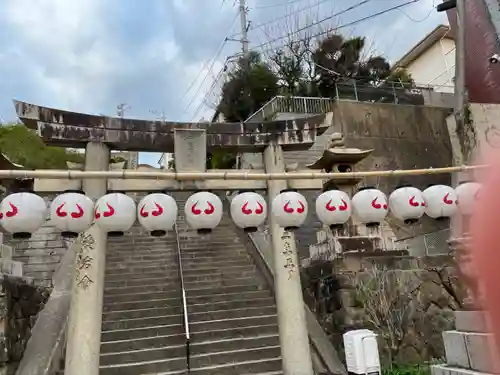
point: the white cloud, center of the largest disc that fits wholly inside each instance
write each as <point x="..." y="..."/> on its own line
<point x="48" y="35"/>
<point x="67" y="55"/>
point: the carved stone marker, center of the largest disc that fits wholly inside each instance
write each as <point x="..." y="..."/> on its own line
<point x="190" y="150"/>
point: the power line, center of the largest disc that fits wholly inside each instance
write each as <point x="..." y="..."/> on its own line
<point x="210" y="64"/>
<point x="214" y="60"/>
<point x="335" y="28"/>
<point x="318" y="22"/>
<point x="283" y="17"/>
<point x="209" y="91"/>
<point x="278" y="5"/>
<point x="205" y="65"/>
<point x="242" y="12"/>
<point x="431" y="11"/>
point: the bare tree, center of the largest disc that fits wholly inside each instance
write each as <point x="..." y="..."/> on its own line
<point x="389" y="304"/>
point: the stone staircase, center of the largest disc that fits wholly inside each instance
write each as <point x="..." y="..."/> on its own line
<point x="232" y="314"/>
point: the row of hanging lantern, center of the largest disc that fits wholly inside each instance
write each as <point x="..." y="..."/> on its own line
<point x="72" y="212"/>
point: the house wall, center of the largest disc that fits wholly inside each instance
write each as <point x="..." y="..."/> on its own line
<point x="436" y="66"/>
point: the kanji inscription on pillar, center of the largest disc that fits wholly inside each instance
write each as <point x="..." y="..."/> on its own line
<point x="288" y="254"/>
<point x="84" y="261"/>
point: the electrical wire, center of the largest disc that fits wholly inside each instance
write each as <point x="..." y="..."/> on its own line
<point x="283" y="17"/>
<point x="359" y="20"/>
<point x="431" y="11"/>
<point x="210" y="64"/>
<point x="352" y="7"/>
<point x="278" y="5"/>
<point x="209" y="91"/>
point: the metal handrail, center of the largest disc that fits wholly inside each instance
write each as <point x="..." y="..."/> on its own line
<point x="185" y="319"/>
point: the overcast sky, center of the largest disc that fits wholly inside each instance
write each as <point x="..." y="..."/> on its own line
<point x="90" y="55"/>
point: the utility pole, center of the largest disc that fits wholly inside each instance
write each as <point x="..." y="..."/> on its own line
<point x="133" y="156"/>
<point x="244" y="28"/>
<point x="457" y="225"/>
<point x="244" y="49"/>
<point x="460" y="89"/>
<point x="121" y="108"/>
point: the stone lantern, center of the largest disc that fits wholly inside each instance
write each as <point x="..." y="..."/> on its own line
<point x="338" y="158"/>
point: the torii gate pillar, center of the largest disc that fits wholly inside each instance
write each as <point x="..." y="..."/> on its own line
<point x="85" y="316"/>
<point x="294" y="339"/>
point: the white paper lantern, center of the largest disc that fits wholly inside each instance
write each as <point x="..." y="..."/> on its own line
<point x="407" y="204"/>
<point x="440" y="200"/>
<point x="72" y="212"/>
<point x="467" y="195"/>
<point x="289" y="209"/>
<point x="203" y="211"/>
<point x="23" y="214"/>
<point x="370" y="206"/>
<point x="333" y="208"/>
<point x="249" y="211"/>
<point x="115" y="213"/>
<point x="157" y="213"/>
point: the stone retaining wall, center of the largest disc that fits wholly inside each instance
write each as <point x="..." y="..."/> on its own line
<point x="407" y="301"/>
<point x="20" y="302"/>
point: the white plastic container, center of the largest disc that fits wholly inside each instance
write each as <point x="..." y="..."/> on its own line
<point x="361" y="352"/>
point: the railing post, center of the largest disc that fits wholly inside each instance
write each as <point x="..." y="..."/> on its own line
<point x="85" y="317"/>
<point x="355" y="90"/>
<point x="305" y="105"/>
<point x="394" y="93"/>
<point x="294" y="339"/>
<point x="337" y="95"/>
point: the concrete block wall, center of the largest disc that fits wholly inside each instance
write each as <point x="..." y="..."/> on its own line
<point x="469" y="348"/>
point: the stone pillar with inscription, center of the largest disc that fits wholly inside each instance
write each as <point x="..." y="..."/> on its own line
<point x="294" y="339"/>
<point x="84" y="326"/>
<point x="190" y="147"/>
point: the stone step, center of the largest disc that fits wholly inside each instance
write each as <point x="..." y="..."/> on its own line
<point x="117" y="274"/>
<point x="147" y="249"/>
<point x="164" y="302"/>
<point x="180" y="338"/>
<point x="159" y="252"/>
<point x="162" y="330"/>
<point x="162" y="320"/>
<point x="145" y="265"/>
<point x="144" y="241"/>
<point x="127" y="279"/>
<point x="175" y="285"/>
<point x="451" y="370"/>
<point x="166" y="259"/>
<point x="205" y="308"/>
<point x="179" y="350"/>
<point x="252" y="367"/>
<point x="210" y="269"/>
<point x="469" y="350"/>
<point x="146" y="295"/>
<point x="185" y="256"/>
<point x="198" y="361"/>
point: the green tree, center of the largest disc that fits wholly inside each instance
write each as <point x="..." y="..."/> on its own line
<point x="249" y="86"/>
<point x="25" y="147"/>
<point x="307" y="70"/>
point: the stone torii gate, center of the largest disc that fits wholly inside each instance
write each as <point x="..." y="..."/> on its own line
<point x="190" y="143"/>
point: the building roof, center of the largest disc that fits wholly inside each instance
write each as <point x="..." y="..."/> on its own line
<point x="440" y="32"/>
